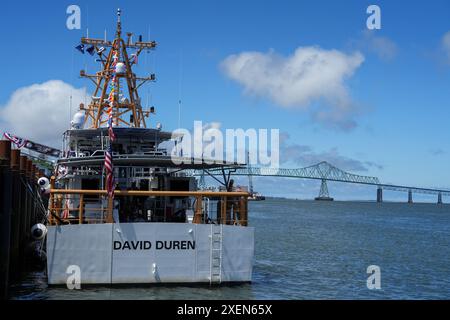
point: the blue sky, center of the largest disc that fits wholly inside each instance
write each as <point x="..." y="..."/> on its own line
<point x="399" y="93"/>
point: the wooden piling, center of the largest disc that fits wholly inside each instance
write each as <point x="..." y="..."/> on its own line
<point x="5" y="215"/>
<point x="14" y="264"/>
<point x="23" y="202"/>
<point x="27" y="225"/>
<point x="33" y="187"/>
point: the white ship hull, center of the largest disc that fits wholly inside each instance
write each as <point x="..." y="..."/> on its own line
<point x="130" y="253"/>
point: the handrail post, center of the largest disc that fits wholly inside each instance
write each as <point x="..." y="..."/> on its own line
<point x="198" y="210"/>
<point x="223" y="211"/>
<point x="243" y="211"/>
<point x="51" y="200"/>
<point x="234" y="217"/>
<point x="80" y="210"/>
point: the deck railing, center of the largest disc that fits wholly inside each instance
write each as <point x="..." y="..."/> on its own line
<point x="231" y="207"/>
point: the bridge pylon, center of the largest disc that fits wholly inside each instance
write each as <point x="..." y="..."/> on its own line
<point x="380" y="194"/>
<point x="410" y="199"/>
<point x="323" y="193"/>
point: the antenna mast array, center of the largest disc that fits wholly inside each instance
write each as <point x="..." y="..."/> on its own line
<point x="96" y="111"/>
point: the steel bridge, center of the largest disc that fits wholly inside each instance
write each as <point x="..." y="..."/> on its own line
<point x="323" y="171"/>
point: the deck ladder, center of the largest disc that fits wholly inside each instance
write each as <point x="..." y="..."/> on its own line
<point x="216" y="253"/>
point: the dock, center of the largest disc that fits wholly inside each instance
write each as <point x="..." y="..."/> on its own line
<point x="18" y="212"/>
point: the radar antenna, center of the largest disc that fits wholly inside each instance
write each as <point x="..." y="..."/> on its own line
<point x="116" y="67"/>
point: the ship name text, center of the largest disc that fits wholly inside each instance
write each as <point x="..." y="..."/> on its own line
<point x="157" y="245"/>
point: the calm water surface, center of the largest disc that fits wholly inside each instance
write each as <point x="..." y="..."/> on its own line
<point x="316" y="250"/>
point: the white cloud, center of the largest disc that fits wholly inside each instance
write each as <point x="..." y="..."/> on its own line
<point x="383" y="47"/>
<point x="309" y="75"/>
<point x="40" y="112"/>
<point x="304" y="155"/>
<point x="445" y="42"/>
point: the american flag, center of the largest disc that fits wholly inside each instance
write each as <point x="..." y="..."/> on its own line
<point x="109" y="172"/>
<point x="108" y="155"/>
<point x="111" y="133"/>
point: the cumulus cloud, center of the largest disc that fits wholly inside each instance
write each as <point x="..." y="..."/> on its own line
<point x="40" y="112"/>
<point x="304" y="155"/>
<point x="310" y="75"/>
<point x="445" y="43"/>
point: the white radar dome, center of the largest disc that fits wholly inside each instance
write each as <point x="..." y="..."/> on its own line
<point x="120" y="67"/>
<point x="78" y="120"/>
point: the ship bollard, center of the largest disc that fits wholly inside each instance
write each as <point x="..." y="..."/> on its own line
<point x="5" y="216"/>
<point x="14" y="265"/>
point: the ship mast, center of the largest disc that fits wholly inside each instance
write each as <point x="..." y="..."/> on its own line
<point x="128" y="111"/>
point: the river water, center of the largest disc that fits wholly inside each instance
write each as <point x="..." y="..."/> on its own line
<point x="316" y="250"/>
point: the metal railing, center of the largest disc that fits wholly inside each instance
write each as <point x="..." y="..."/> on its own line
<point x="71" y="206"/>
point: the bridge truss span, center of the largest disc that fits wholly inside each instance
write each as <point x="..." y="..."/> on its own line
<point x="323" y="171"/>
